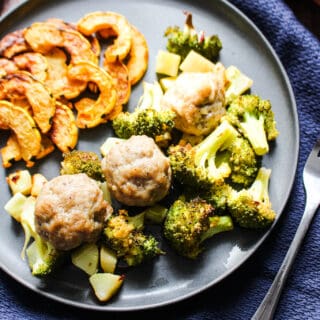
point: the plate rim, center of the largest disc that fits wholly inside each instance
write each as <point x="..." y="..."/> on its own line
<point x="24" y="5"/>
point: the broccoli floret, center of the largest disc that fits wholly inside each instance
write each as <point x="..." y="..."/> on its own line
<point x="124" y="235"/>
<point x="148" y="118"/>
<point x="150" y="122"/>
<point x="195" y="181"/>
<point x="255" y="119"/>
<point x="251" y="208"/>
<point x="218" y="196"/>
<point x="182" y="41"/>
<point x="189" y="223"/>
<point x="243" y="161"/>
<point x="86" y="162"/>
<point x="192" y="165"/>
<point x="184" y="169"/>
<point x="206" y="152"/>
<point x="43" y="258"/>
<point x="199" y="168"/>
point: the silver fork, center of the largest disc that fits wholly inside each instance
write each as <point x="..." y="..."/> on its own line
<point x="311" y="180"/>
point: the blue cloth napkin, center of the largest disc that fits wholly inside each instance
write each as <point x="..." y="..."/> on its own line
<point x="238" y="296"/>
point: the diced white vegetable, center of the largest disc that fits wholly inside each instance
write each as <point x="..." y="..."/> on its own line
<point x="239" y="83"/>
<point x="108" y="144"/>
<point x="86" y="258"/>
<point x="105" y="285"/>
<point x="108" y="259"/>
<point x="167" y="63"/>
<point x="167" y="82"/>
<point x="38" y="180"/>
<point x="195" y="62"/>
<point x="20" y="181"/>
<point x="152" y="95"/>
<point x="15" y="205"/>
<point x="155" y="214"/>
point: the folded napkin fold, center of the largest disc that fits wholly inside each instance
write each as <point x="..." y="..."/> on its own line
<point x="238" y="296"/>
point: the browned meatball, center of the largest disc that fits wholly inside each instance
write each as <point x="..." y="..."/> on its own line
<point x="70" y="210"/>
<point x="137" y="172"/>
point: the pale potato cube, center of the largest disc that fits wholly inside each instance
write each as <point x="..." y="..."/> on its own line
<point x="167" y="63"/>
<point x="238" y="83"/>
<point x="38" y="180"/>
<point x="195" y="62"/>
<point x="20" y="181"/>
<point x="167" y="82"/>
<point x="15" y="205"/>
<point x="108" y="144"/>
<point x="86" y="258"/>
<point x="152" y="95"/>
<point x="108" y="259"/>
<point x="105" y="285"/>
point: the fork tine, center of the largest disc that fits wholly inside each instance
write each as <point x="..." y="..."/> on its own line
<point x="315" y="152"/>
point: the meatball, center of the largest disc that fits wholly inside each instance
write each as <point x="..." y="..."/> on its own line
<point x="70" y="210"/>
<point x="137" y="172"/>
<point x="198" y="99"/>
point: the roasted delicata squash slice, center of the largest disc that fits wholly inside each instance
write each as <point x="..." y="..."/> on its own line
<point x="33" y="62"/>
<point x="96" y="21"/>
<point x="64" y="132"/>
<point x="23" y="103"/>
<point x="57" y="79"/>
<point x="7" y="66"/>
<point x="96" y="113"/>
<point x="13" y="43"/>
<point x="59" y="23"/>
<point x="138" y="56"/>
<point x="119" y="72"/>
<point x="24" y="127"/>
<point x="11" y="151"/>
<point x="20" y="85"/>
<point x="45" y="36"/>
<point x="46" y="147"/>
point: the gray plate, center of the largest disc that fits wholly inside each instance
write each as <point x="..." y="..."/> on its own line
<point x="169" y="278"/>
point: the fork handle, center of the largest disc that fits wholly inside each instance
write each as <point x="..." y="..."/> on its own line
<point x="268" y="305"/>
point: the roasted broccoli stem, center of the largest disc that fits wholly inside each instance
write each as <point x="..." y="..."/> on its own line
<point x="182" y="41"/>
<point x="150" y="122"/>
<point x="78" y="161"/>
<point x="251" y="208"/>
<point x="43" y="258"/>
<point x="124" y="235"/>
<point x="189" y="223"/>
<point x="255" y="119"/>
